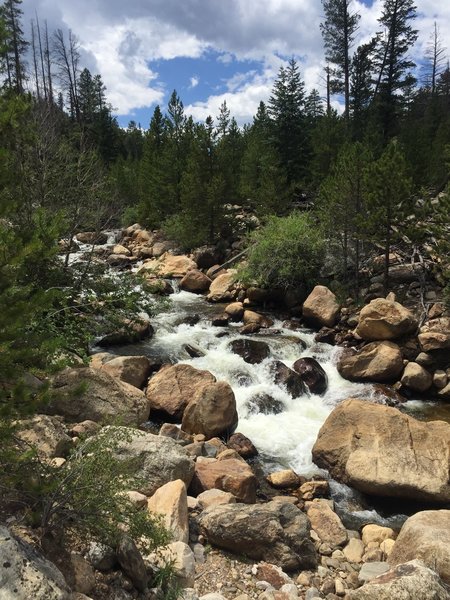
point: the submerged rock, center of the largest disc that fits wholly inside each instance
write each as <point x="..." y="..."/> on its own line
<point x="252" y="351"/>
<point x="312" y="374"/>
<point x="288" y="378"/>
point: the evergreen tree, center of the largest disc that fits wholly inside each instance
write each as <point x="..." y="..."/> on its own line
<point x="388" y="200"/>
<point x="338" y="33"/>
<point x="361" y="87"/>
<point x="393" y="66"/>
<point x="314" y="107"/>
<point x="14" y="45"/>
<point x="286" y="108"/>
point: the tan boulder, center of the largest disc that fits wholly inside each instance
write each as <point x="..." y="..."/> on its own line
<point x="385" y="320"/>
<point x="376" y="533"/>
<point x="326" y="523"/>
<point x="321" y="307"/>
<point x="121" y="250"/>
<point x="98" y="359"/>
<point x="253" y="318"/>
<point x="231" y="476"/>
<point x="378" y="361"/>
<point x="195" y="281"/>
<point x="142" y="236"/>
<point x="354" y="551"/>
<point x="131" y="369"/>
<point x="381" y="451"/>
<point x="444" y="393"/>
<point x="222" y="289"/>
<point x="161" y="247"/>
<point x="435" y="335"/>
<point x="214" y="498"/>
<point x="175" y="266"/>
<point x="46" y="434"/>
<point x="170" y="501"/>
<point x="180" y="559"/>
<point x="416" y="377"/>
<point x="173" y="387"/>
<point x="425" y="536"/>
<point x="235" y="310"/>
<point x="284" y="479"/>
<point x="212" y="411"/>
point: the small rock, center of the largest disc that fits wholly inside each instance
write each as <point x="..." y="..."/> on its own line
<point x="371" y="570"/>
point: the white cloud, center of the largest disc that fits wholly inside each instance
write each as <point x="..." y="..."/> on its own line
<point x="120" y="41"/>
<point x="193" y="82"/>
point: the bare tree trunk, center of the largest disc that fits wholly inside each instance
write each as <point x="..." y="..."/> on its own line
<point x="35" y="62"/>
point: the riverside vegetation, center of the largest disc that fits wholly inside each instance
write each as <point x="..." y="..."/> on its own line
<point x="336" y="223"/>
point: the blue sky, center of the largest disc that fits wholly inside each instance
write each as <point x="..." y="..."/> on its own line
<point x="208" y="50"/>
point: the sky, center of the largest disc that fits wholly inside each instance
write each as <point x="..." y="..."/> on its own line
<point x="210" y="51"/>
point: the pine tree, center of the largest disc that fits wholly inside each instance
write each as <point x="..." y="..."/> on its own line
<point x="361" y="87"/>
<point x="338" y="31"/>
<point x="393" y="66"/>
<point x="14" y="46"/>
<point x="286" y="108"/>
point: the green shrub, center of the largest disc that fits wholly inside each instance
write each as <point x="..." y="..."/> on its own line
<point x="287" y="252"/>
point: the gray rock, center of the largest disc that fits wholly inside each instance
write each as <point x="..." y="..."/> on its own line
<point x="46" y="434"/>
<point x="408" y="581"/>
<point x="371" y="570"/>
<point x="25" y="574"/>
<point x="101" y="557"/>
<point x="157" y="459"/>
<point x="278" y="533"/>
<point x="132" y="563"/>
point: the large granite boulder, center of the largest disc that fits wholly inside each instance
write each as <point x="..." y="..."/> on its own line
<point x="435" y="335"/>
<point x="408" y="581"/>
<point x="312" y="374"/>
<point x="231" y="475"/>
<point x="134" y="370"/>
<point x="212" y="411"/>
<point x="378" y="361"/>
<point x="275" y="532"/>
<point x="195" y="281"/>
<point x="27" y="575"/>
<point x="155" y="459"/>
<point x="416" y="378"/>
<point x="46" y="434"/>
<point x="426" y="536"/>
<point x="90" y="394"/>
<point x="172" y="388"/>
<point x="222" y="289"/>
<point x="175" y="266"/>
<point x="321" y="307"/>
<point x="381" y="451"/>
<point x="170" y="501"/>
<point x="385" y="320"/>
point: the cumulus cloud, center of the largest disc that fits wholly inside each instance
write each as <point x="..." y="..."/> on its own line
<point x="122" y="41"/>
<point x="193" y="82"/>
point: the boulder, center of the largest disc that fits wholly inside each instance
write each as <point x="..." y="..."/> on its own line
<point x="252" y="351"/>
<point x="119" y="260"/>
<point x="321" y="307"/>
<point x="90" y="394"/>
<point x="233" y="476"/>
<point x="206" y="257"/>
<point x="444" y="393"/>
<point x="131" y="561"/>
<point x="275" y="532"/>
<point x="46" y="434"/>
<point x="179" y="557"/>
<point x="264" y="404"/>
<point x="25" y="574"/>
<point x="92" y="237"/>
<point x="222" y="289"/>
<point x="286" y="478"/>
<point x="121" y="250"/>
<point x="408" y="581"/>
<point x="195" y="281"/>
<point x="214" y="497"/>
<point x="212" y="411"/>
<point x="385" y="320"/>
<point x="326" y="523"/>
<point x="435" y="335"/>
<point x="381" y="451"/>
<point x="425" y="536"/>
<point x="378" y="361"/>
<point x="416" y="378"/>
<point x="289" y="379"/>
<point x="175" y="266"/>
<point x="156" y="459"/>
<point x="172" y="388"/>
<point x="254" y="318"/>
<point x="242" y="445"/>
<point x="170" y="501"/>
<point x="161" y="247"/>
<point x="134" y="370"/>
<point x="235" y="311"/>
<point x="376" y="533"/>
<point x="130" y="333"/>
<point x="312" y="374"/>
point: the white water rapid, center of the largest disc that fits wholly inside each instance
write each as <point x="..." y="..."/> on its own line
<point x="283" y="439"/>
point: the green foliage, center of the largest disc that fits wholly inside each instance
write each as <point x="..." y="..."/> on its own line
<point x="287" y="252"/>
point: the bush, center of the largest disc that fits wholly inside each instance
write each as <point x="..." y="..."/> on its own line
<point x="287" y="252"/>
